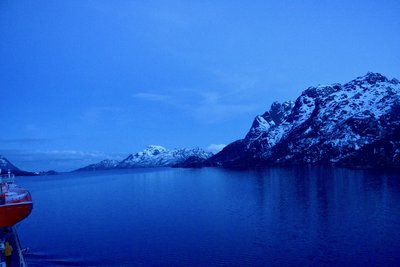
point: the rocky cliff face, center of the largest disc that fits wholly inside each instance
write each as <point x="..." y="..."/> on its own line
<point x="354" y="124"/>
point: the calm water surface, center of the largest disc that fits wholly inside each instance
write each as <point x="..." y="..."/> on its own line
<point x="214" y="217"/>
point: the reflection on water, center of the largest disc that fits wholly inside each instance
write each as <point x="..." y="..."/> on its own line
<point x="215" y="217"/>
<point x="329" y="216"/>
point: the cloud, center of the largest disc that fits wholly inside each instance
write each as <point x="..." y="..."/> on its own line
<point x="210" y="106"/>
<point x="25" y="141"/>
<point x="215" y="107"/>
<point x="220" y="112"/>
<point x="59" y="160"/>
<point x="105" y="115"/>
<point x="70" y="154"/>
<point x="243" y="79"/>
<point x="152" y="97"/>
<point x="215" y="148"/>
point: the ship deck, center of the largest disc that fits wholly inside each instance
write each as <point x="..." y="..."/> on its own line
<point x="10" y="234"/>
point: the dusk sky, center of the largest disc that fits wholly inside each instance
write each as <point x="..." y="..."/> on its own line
<point x="82" y="81"/>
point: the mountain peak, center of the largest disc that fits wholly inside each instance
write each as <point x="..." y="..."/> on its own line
<point x="372" y="78"/>
<point x="277" y="114"/>
<point x="154" y="150"/>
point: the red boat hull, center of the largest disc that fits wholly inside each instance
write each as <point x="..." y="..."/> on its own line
<point x="15" y="204"/>
<point x="12" y="213"/>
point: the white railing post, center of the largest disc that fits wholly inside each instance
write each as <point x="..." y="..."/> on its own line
<point x="20" y="253"/>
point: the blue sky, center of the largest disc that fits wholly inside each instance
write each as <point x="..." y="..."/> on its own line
<point x="82" y="81"/>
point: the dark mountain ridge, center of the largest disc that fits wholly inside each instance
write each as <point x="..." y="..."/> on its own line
<point x="6" y="165"/>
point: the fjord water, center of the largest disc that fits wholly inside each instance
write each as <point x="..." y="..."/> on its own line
<point x="214" y="217"/>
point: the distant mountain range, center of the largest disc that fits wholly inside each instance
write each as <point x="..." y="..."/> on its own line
<point x="356" y="124"/>
<point x="152" y="156"/>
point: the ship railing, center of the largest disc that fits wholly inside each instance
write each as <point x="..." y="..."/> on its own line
<point x="22" y="262"/>
<point x="7" y="179"/>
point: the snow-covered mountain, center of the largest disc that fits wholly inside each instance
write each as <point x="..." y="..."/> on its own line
<point x="102" y="165"/>
<point x="354" y="124"/>
<point x="152" y="156"/>
<point x="158" y="156"/>
<point x="6" y="165"/>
